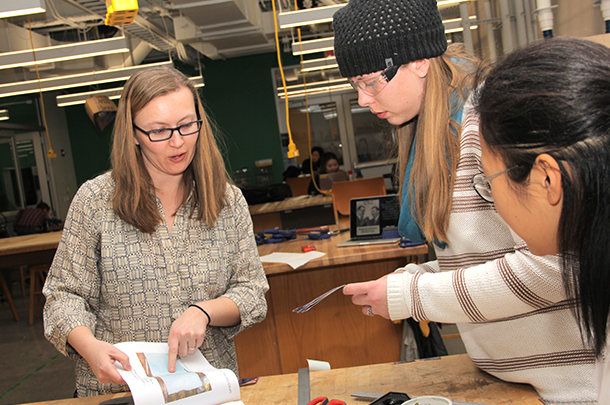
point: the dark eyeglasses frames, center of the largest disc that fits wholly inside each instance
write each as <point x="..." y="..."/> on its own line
<point x="163" y="134"/>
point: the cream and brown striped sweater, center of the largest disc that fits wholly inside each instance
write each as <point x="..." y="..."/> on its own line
<point x="510" y="306"/>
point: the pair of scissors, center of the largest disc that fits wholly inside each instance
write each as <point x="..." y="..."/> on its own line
<point x="326" y="401"/>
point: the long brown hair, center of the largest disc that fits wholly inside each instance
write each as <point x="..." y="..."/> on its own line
<point x="134" y="199"/>
<point x="448" y="83"/>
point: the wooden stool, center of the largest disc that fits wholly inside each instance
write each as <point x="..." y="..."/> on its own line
<point x="9" y="297"/>
<point x="37" y="276"/>
<point x="23" y="275"/>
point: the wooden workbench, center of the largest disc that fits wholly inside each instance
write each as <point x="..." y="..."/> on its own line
<point x="38" y="248"/>
<point x="454" y="377"/>
<point x="335" y="330"/>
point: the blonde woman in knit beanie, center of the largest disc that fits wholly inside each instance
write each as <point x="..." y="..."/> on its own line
<point x="510" y="306"/>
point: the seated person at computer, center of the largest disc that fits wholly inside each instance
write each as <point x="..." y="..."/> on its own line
<point x="314" y="160"/>
<point x="32" y="220"/>
<point x="328" y="164"/>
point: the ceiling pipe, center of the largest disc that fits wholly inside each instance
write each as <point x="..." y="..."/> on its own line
<point x="545" y="17"/>
<point x="605" y="7"/>
<point x="491" y="42"/>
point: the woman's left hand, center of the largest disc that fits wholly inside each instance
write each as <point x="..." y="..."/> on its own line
<point x="186" y="335"/>
<point x="372" y="295"/>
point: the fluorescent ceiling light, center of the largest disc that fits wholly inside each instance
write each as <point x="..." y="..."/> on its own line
<point x="312" y="84"/>
<point x="4" y="115"/>
<point x="70" y="81"/>
<point x="13" y="8"/>
<point x="325" y="86"/>
<point x="316" y="15"/>
<point x="318" y="90"/>
<point x="60" y="53"/>
<point x="66" y="100"/>
<point x="444" y="3"/>
<point x="455" y="24"/>
<point x="451" y="31"/>
<point x="319" y="64"/>
<point x="457" y="20"/>
<point x="313" y="46"/>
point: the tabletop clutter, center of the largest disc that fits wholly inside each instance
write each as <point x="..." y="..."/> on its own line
<point x="277" y="235"/>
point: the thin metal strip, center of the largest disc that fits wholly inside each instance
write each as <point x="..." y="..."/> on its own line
<point x="304" y="393"/>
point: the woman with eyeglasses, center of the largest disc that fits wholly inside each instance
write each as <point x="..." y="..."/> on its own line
<point x="545" y="129"/>
<point x="158" y="249"/>
<point x="509" y="305"/>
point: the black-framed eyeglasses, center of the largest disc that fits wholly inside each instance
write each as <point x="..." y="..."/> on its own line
<point x="482" y="184"/>
<point x="373" y="86"/>
<point x="163" y="134"/>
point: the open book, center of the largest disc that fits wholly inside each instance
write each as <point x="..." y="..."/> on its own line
<point x="194" y="382"/>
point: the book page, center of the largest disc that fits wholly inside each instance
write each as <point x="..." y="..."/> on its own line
<point x="195" y="381"/>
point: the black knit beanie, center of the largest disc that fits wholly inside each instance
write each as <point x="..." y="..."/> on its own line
<point x="371" y="35"/>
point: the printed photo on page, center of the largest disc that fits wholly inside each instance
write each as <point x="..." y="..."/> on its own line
<point x="195" y="381"/>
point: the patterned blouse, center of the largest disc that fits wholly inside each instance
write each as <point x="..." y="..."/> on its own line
<point x="126" y="285"/>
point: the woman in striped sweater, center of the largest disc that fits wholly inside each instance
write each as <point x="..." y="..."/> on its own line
<point x="552" y="176"/>
<point x="510" y="306"/>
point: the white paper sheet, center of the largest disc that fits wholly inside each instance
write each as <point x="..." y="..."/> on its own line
<point x="294" y="260"/>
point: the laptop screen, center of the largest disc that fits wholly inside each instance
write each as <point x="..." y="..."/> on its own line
<point x="327" y="180"/>
<point x="371" y="217"/>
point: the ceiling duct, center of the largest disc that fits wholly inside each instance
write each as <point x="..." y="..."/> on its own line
<point x="221" y="28"/>
<point x="142" y="28"/>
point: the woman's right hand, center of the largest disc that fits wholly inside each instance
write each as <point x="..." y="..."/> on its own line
<point x="101" y="358"/>
<point x="371" y="294"/>
<point x="100" y="355"/>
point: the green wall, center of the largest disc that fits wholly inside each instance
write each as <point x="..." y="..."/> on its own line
<point x="238" y="96"/>
<point x="90" y="147"/>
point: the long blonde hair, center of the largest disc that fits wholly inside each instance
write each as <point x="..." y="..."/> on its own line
<point x="448" y="83"/>
<point x="134" y="199"/>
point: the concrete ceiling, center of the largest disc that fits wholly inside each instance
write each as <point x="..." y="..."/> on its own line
<point x="163" y="29"/>
<point x="180" y="29"/>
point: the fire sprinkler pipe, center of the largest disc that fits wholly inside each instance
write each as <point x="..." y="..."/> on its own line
<point x="605" y="7"/>
<point x="545" y="17"/>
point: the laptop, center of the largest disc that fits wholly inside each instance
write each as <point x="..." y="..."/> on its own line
<point x="327" y="180"/>
<point x="373" y="220"/>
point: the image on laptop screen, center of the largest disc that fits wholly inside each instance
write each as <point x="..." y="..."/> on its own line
<point x="373" y="220"/>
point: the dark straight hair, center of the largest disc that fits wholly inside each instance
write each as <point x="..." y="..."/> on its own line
<point x="324" y="159"/>
<point x="553" y="97"/>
